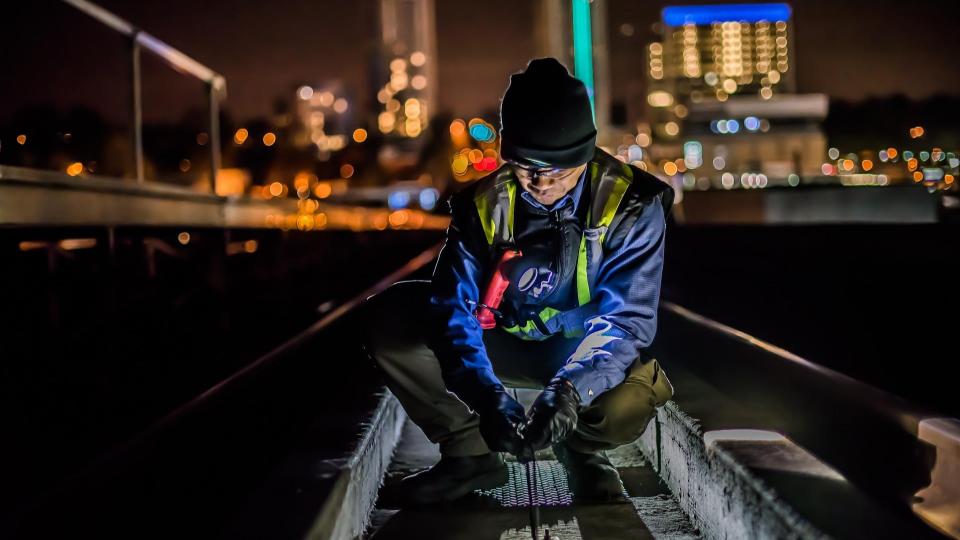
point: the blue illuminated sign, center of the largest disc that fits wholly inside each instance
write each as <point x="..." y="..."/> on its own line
<point x="751" y="13"/>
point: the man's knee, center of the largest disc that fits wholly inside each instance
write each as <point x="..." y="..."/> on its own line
<point x="621" y="415"/>
<point x="625" y="415"/>
<point x="393" y="319"/>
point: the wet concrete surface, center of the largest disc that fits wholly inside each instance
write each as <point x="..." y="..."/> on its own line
<point x="649" y="511"/>
<point x="866" y="467"/>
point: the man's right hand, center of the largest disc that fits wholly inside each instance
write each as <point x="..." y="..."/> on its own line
<point x="500" y="418"/>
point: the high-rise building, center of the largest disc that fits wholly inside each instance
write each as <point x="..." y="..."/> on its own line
<point x="323" y="118"/>
<point x="408" y="93"/>
<point x="721" y="96"/>
<point x="713" y="52"/>
<point x="722" y="50"/>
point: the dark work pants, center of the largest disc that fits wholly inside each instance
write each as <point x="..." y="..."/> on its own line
<point x="396" y="337"/>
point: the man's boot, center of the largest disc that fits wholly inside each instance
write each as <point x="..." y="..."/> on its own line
<point x="591" y="476"/>
<point x="454" y="477"/>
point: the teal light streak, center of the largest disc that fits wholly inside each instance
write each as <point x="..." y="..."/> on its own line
<point x="583" y="47"/>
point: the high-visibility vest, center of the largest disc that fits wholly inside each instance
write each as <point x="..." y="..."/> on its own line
<point x="496" y="202"/>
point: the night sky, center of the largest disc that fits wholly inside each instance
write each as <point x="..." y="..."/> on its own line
<point x="849" y="50"/>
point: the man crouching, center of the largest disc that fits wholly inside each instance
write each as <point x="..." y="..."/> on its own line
<point x="577" y="238"/>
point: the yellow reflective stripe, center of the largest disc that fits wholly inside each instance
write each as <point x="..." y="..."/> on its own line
<point x="613" y="202"/>
<point x="486" y="203"/>
<point x="486" y="216"/>
<point x="583" y="284"/>
<point x="530" y="327"/>
<point x="512" y="197"/>
<point x="616" y="195"/>
<point x="522" y="331"/>
<point x="548" y="313"/>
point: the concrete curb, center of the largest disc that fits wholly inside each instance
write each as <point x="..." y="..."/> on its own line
<point x="722" y="497"/>
<point x="346" y="513"/>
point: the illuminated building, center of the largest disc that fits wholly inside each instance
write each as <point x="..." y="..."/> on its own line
<point x="721" y="85"/>
<point x="717" y="51"/>
<point x="324" y="118"/>
<point x="408" y="86"/>
<point x="776" y="137"/>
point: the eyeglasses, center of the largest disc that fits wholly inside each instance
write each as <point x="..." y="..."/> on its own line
<point x="548" y="172"/>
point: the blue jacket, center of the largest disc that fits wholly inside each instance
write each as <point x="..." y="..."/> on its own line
<point x="621" y="318"/>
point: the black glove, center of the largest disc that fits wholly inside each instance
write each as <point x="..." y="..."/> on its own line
<point x="500" y="418"/>
<point x="553" y="416"/>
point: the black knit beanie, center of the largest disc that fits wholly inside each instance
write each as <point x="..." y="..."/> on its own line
<point x="545" y="117"/>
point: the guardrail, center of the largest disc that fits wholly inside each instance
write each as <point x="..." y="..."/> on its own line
<point x="216" y="84"/>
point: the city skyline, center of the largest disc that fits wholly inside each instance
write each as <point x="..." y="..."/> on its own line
<point x="266" y="61"/>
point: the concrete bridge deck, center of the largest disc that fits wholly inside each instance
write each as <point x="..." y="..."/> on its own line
<point x="758" y="443"/>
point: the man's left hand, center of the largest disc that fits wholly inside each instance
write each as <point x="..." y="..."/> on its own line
<point x="553" y="416"/>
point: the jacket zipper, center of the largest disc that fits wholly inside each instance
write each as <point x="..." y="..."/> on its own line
<point x="558" y="229"/>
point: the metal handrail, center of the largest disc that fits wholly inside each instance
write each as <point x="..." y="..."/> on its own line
<point x="178" y="60"/>
<point x="216" y="84"/>
<point x="12" y="174"/>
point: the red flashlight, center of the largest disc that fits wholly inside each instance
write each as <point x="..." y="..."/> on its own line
<point x="494" y="293"/>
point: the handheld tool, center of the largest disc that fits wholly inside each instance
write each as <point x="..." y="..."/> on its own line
<point x="493" y="295"/>
<point x="531" y="469"/>
<point x="529" y="461"/>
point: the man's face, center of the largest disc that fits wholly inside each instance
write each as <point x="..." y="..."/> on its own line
<point x="547" y="185"/>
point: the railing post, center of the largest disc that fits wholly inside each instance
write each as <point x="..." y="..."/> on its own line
<point x="213" y="95"/>
<point x="136" y="102"/>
